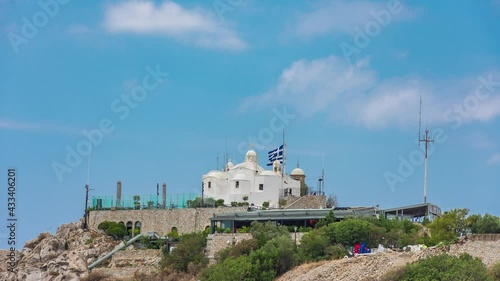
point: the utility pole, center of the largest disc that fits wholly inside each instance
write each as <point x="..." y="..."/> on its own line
<point x="157" y="194"/>
<point x="86" y="213"/>
<point x="426" y="140"/>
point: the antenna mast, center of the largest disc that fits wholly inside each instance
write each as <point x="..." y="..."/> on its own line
<point x="323" y="175"/>
<point x="87" y="188"/>
<point x="225" y="155"/>
<point x="426" y="139"/>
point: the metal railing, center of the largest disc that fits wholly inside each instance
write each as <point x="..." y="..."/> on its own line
<point x="142" y="202"/>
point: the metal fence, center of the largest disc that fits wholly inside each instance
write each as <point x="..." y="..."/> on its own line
<point x="141" y="202"/>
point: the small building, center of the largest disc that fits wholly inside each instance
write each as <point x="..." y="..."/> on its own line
<point x="248" y="180"/>
<point x="416" y="213"/>
<point x="292" y="217"/>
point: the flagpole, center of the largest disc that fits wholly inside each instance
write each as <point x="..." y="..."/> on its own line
<point x="284" y="153"/>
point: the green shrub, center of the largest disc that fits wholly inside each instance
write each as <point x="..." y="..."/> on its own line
<point x="280" y="252"/>
<point x="219" y="203"/>
<point x="117" y="230"/>
<point x="447" y="268"/>
<point x="264" y="232"/>
<point x="244" y="247"/>
<point x="173" y="234"/>
<point x="188" y="253"/>
<point x="336" y="252"/>
<point x="313" y="246"/>
<point x="104" y="225"/>
<point x="494" y="271"/>
<point x="244" y="229"/>
<point x="229" y="270"/>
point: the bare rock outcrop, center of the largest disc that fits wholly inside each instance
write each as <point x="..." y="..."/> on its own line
<point x="63" y="256"/>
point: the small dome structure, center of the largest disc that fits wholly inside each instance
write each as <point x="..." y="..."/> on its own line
<point x="251" y="156"/>
<point x="297" y="172"/>
<point x="229" y="165"/>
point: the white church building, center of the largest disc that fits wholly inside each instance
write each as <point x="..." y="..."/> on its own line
<point x="251" y="180"/>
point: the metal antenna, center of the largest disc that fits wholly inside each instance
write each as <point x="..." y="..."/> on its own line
<point x="225" y="155"/>
<point x="88" y="165"/>
<point x="426" y="139"/>
<point x="419" y="120"/>
<point x="87" y="189"/>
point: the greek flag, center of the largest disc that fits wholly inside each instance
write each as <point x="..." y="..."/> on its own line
<point x="275" y="154"/>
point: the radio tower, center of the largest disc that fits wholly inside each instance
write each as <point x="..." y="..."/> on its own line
<point x="427" y="140"/>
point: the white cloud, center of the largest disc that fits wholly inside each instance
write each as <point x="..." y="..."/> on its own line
<point x="494" y="159"/>
<point x="354" y="94"/>
<point x="311" y="86"/>
<point x="192" y="26"/>
<point x="342" y="16"/>
<point x="9" y="125"/>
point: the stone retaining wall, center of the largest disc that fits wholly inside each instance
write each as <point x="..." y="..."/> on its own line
<point x="484" y="237"/>
<point x="162" y="221"/>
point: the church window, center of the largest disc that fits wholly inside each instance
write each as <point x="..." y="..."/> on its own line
<point x="237" y="184"/>
<point x="209" y="184"/>
<point x="261" y="186"/>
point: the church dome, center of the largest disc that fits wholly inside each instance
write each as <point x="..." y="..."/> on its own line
<point x="297" y="172"/>
<point x="251" y="156"/>
<point x="229" y="165"/>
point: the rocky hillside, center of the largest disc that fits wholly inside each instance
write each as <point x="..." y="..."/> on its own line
<point x="63" y="256"/>
<point x="369" y="268"/>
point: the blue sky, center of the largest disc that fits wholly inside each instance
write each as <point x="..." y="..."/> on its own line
<point x="165" y="84"/>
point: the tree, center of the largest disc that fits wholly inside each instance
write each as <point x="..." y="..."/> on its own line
<point x="449" y="226"/>
<point x="265" y="204"/>
<point x="313" y="246"/>
<point x="280" y="251"/>
<point x="263" y="232"/>
<point x="188" y="253"/>
<point x="330" y="218"/>
<point x="486" y="224"/>
<point x="137" y="202"/>
<point x="352" y="231"/>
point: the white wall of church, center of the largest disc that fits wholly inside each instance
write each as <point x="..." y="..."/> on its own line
<point x="248" y="179"/>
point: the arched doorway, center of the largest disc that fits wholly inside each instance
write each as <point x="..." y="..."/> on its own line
<point x="137" y="228"/>
<point x="129" y="228"/>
